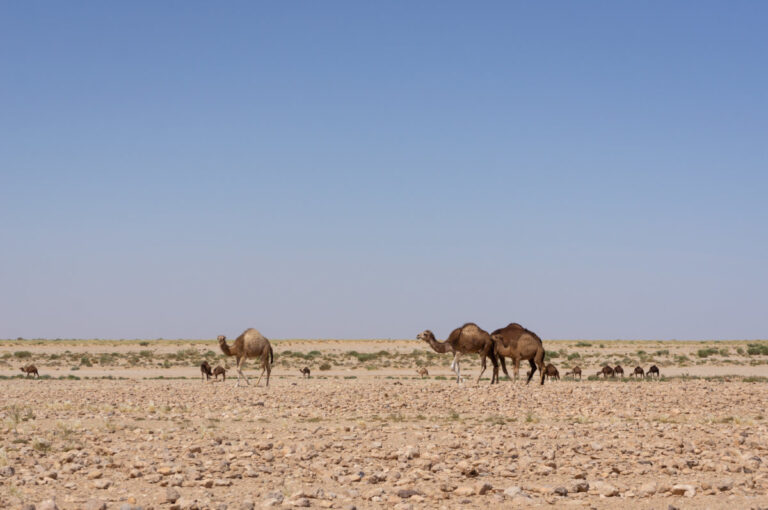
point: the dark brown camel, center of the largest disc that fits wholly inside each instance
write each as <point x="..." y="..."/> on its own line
<point x="467" y="339"/>
<point x="305" y="372"/>
<point x="519" y="344"/>
<point x="639" y="372"/>
<point x="220" y="371"/>
<point x="618" y="371"/>
<point x="573" y="373"/>
<point x="30" y="370"/>
<point x="605" y="372"/>
<point x="653" y="370"/>
<point x="551" y="372"/>
<point x="250" y="344"/>
<point x="205" y="371"/>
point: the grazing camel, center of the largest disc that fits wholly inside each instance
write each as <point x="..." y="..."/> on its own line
<point x="250" y="344"/>
<point x="467" y="339"/>
<point x="618" y="371"/>
<point x="220" y="371"/>
<point x="519" y="344"/>
<point x="29" y="370"/>
<point x="573" y="373"/>
<point x="638" y="372"/>
<point x="305" y="372"/>
<point x="605" y="372"/>
<point x="205" y="371"/>
<point x="653" y="370"/>
<point x="423" y="372"/>
<point x="551" y="372"/>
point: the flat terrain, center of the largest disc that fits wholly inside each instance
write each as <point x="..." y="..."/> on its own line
<point x="102" y="427"/>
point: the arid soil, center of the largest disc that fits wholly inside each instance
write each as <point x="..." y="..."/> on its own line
<point x="356" y="436"/>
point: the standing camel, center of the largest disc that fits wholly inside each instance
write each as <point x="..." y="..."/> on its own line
<point x="29" y="370"/>
<point x="251" y="344"/>
<point x="573" y="373"/>
<point x="653" y="370"/>
<point x="220" y="371"/>
<point x="519" y="344"/>
<point x="618" y="371"/>
<point x="305" y="372"/>
<point x="205" y="371"/>
<point x="639" y="372"/>
<point x="467" y="339"/>
<point x="423" y="372"/>
<point x="551" y="371"/>
<point x="605" y="372"/>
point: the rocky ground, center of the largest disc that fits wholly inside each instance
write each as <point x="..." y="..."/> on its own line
<point x="373" y="442"/>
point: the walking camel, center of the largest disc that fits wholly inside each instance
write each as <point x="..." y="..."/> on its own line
<point x="250" y="344"/>
<point x="519" y="344"/>
<point x="304" y="372"/>
<point x="467" y="339"/>
<point x="605" y="372"/>
<point x="653" y="370"/>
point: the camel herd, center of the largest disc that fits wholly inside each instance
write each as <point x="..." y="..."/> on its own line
<point x="512" y="341"/>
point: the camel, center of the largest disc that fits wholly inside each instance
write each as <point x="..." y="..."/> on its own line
<point x="519" y="344"/>
<point x="220" y="371"/>
<point x="573" y="373"/>
<point x="250" y="344"/>
<point x="29" y="370"/>
<point x="423" y="372"/>
<point x="605" y="372"/>
<point x="551" y="372"/>
<point x="305" y="372"/>
<point x="467" y="339"/>
<point x="653" y="370"/>
<point x="618" y="371"/>
<point x="205" y="371"/>
<point x="638" y="372"/>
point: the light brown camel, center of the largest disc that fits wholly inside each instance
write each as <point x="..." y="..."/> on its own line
<point x="305" y="372"/>
<point x="423" y="372"/>
<point x="519" y="344"/>
<point x="639" y="372"/>
<point x="29" y="370"/>
<point x="551" y="371"/>
<point x="205" y="371"/>
<point x="605" y="372"/>
<point x="467" y="339"/>
<point x="573" y="373"/>
<point x="618" y="371"/>
<point x="220" y="371"/>
<point x="653" y="370"/>
<point x="251" y="344"/>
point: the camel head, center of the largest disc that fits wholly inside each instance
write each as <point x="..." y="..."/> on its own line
<point x="222" y="339"/>
<point x="497" y="337"/>
<point x="426" y="336"/>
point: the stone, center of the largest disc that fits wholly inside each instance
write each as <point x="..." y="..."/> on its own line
<point x="688" y="491"/>
<point x="48" y="504"/>
<point x="170" y="496"/>
<point x="647" y="489"/>
<point x="102" y="484"/>
<point x="95" y="504"/>
<point x="7" y="471"/>
<point x="605" y="489"/>
<point x="724" y="485"/>
<point x="482" y="488"/>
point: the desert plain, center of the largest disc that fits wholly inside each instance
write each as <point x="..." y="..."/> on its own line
<point x="131" y="425"/>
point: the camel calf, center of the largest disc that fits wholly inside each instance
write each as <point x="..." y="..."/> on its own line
<point x="573" y="373"/>
<point x="220" y="371"/>
<point x="605" y="372"/>
<point x="305" y="372"/>
<point x="205" y="371"/>
<point x="551" y="372"/>
<point x="29" y="370"/>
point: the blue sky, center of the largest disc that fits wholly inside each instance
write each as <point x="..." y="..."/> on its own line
<point x="370" y="170"/>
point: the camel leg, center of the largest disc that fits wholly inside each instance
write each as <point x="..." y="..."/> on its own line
<point x="517" y="368"/>
<point x="456" y="368"/>
<point x="240" y="364"/>
<point x="483" y="366"/>
<point x="504" y="367"/>
<point x="533" y="369"/>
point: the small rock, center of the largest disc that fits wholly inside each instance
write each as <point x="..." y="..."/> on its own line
<point x="48" y="504"/>
<point x="170" y="496"/>
<point x="407" y="493"/>
<point x="464" y="491"/>
<point x="605" y="489"/>
<point x="688" y="491"/>
<point x="482" y="488"/>
<point x="95" y="504"/>
<point x="513" y="491"/>
<point x="725" y="485"/>
<point x="247" y="505"/>
<point x="102" y="484"/>
<point x="7" y="471"/>
<point x="647" y="489"/>
<point x="561" y="491"/>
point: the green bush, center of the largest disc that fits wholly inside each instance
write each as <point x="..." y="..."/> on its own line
<point x="22" y="354"/>
<point x="704" y="353"/>
<point x="325" y="366"/>
<point x="757" y="350"/>
<point x="86" y="361"/>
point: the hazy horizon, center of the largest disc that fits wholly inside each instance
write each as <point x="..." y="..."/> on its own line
<point x="345" y="170"/>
